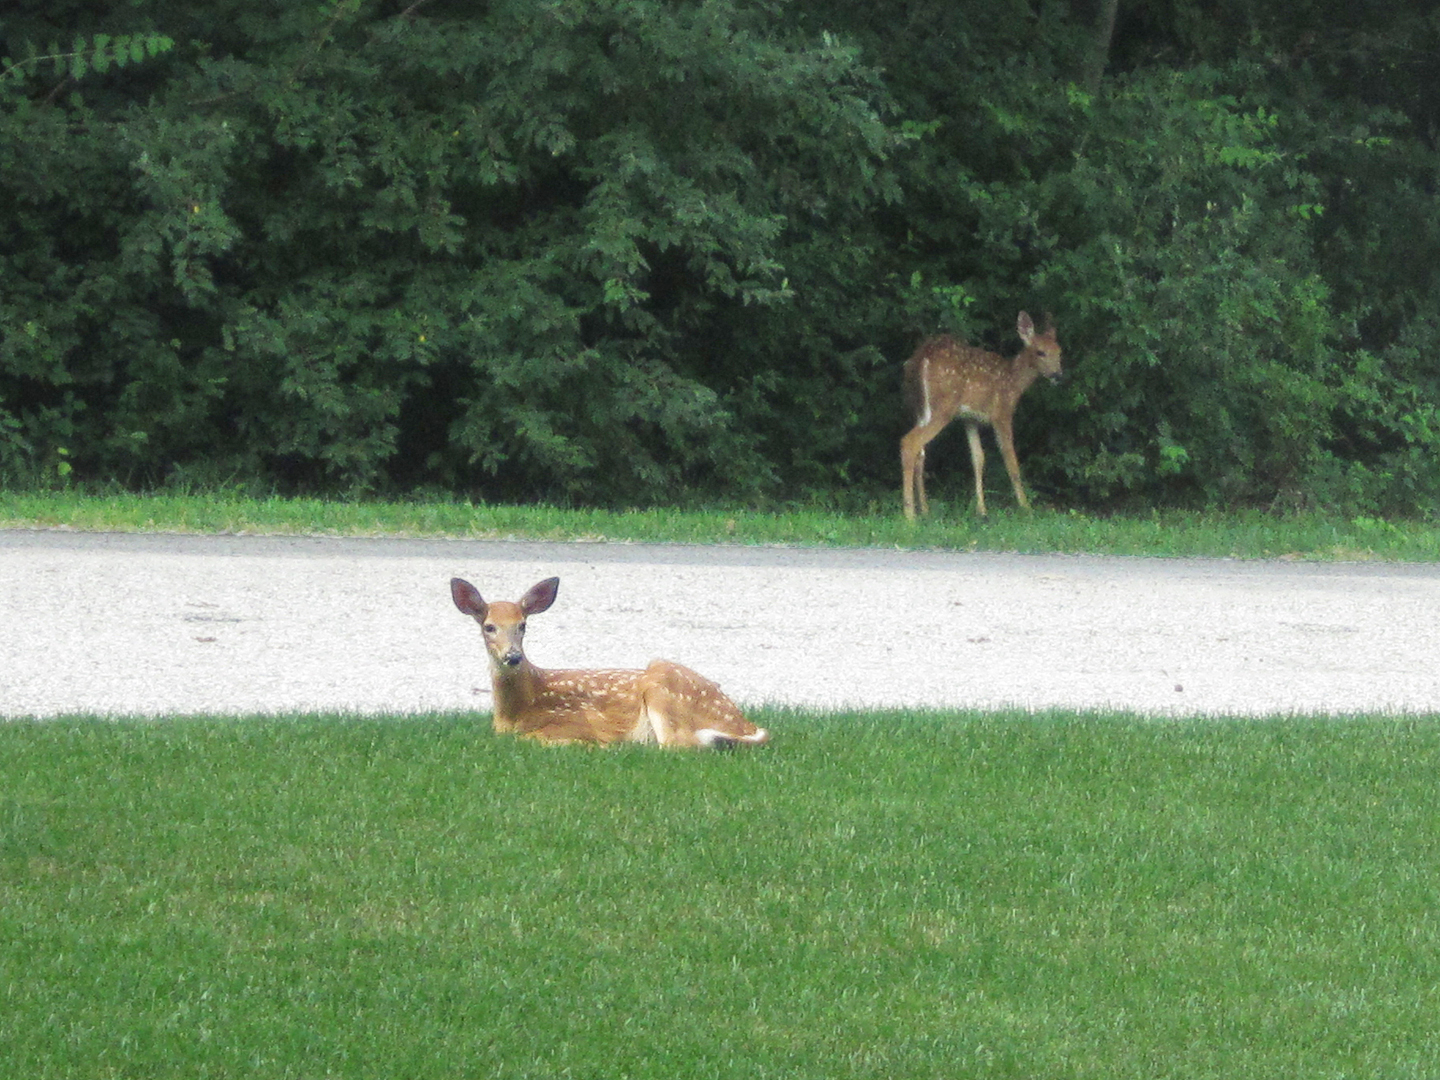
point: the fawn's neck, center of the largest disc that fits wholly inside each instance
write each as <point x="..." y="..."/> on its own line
<point x="1024" y="369"/>
<point x="515" y="689"/>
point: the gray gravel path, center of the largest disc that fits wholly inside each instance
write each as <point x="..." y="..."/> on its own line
<point x="155" y="624"/>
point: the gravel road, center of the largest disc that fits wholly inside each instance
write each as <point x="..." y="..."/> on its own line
<point x="155" y="624"/>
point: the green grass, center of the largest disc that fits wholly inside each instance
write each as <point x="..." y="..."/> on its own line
<point x="1247" y="534"/>
<point x="885" y="896"/>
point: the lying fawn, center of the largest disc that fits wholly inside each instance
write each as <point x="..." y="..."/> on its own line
<point x="666" y="703"/>
<point x="946" y="378"/>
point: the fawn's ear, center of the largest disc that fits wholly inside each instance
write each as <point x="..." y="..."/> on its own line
<point x="467" y="598"/>
<point x="540" y="596"/>
<point x="1025" y="327"/>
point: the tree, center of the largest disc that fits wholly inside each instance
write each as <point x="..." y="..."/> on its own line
<point x="364" y="245"/>
<point x="635" y="251"/>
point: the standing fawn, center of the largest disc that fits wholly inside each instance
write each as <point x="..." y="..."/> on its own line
<point x="666" y="703"/>
<point x="946" y="378"/>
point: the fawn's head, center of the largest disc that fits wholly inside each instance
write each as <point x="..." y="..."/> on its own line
<point x="503" y="622"/>
<point x="1042" y="346"/>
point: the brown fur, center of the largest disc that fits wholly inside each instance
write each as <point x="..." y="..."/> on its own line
<point x="666" y="703"/>
<point x="945" y="378"/>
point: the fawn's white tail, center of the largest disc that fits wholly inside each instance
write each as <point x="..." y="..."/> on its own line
<point x="667" y="703"/>
<point x="946" y="378"/>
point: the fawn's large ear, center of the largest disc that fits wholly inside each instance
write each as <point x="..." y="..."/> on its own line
<point x="1025" y="327"/>
<point x="540" y="596"/>
<point x="1049" y="324"/>
<point x="467" y="598"/>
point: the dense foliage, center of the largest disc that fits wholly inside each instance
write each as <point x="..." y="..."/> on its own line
<point x="635" y="251"/>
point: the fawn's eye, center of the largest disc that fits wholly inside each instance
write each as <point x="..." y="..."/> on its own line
<point x="489" y="628"/>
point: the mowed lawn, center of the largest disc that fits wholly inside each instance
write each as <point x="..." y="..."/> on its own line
<point x="870" y="896"/>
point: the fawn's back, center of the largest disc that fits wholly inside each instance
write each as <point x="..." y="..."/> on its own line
<point x="946" y="377"/>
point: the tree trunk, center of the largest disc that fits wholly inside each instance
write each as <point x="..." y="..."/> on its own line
<point x="1104" y="30"/>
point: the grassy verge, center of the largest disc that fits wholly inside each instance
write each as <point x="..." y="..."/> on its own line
<point x="874" y="896"/>
<point x="1242" y="534"/>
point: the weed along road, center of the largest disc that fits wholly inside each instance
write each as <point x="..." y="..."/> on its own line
<point x="158" y="624"/>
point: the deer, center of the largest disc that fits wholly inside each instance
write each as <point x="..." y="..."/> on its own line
<point x="946" y="378"/>
<point x="667" y="704"/>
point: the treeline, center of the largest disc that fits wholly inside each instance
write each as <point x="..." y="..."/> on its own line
<point x="639" y="251"/>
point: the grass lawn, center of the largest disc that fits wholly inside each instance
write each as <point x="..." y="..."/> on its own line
<point x="1241" y="534"/>
<point x="884" y="896"/>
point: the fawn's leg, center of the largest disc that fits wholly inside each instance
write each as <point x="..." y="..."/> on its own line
<point x="1005" y="436"/>
<point x="977" y="462"/>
